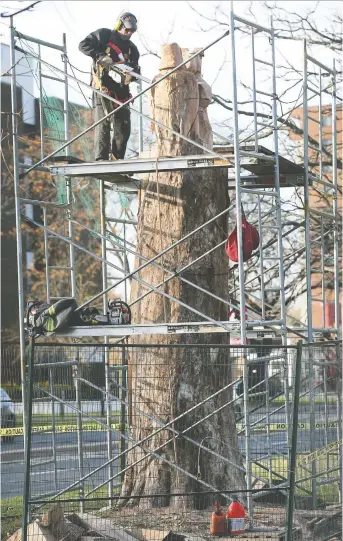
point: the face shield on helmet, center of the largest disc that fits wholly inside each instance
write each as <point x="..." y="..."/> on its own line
<point x="127" y="24"/>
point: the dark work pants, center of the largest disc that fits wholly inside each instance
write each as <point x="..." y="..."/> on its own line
<point x="121" y="125"/>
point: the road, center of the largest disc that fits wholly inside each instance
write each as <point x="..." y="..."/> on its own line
<point x="95" y="454"/>
<point x="42" y="477"/>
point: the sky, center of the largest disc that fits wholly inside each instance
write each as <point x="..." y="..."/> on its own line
<point x="158" y="22"/>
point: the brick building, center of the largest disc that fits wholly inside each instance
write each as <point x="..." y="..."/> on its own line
<point x="322" y="297"/>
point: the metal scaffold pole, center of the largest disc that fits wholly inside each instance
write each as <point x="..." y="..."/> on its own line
<point x="68" y="179"/>
<point x="294" y="437"/>
<point x="248" y="462"/>
<point x="335" y="202"/>
<point x="281" y="284"/>
<point x="337" y="276"/>
<point x="28" y="432"/>
<point x="140" y="120"/>
<point x="106" y="340"/>
<point x="77" y="369"/>
<point x="15" y="114"/>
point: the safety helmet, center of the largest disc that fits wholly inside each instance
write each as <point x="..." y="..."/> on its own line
<point x="126" y="19"/>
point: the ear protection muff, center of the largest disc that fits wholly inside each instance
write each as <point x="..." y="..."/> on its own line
<point x="118" y="24"/>
<point x="125" y="15"/>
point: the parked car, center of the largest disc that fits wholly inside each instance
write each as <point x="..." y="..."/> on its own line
<point x="8" y="418"/>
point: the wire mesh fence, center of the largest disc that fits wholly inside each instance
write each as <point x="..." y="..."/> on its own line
<point x="126" y="428"/>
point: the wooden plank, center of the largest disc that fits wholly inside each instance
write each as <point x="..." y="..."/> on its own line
<point x="106" y="528"/>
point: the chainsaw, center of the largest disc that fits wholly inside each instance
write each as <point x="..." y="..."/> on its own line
<point x="125" y="73"/>
<point x="119" y="313"/>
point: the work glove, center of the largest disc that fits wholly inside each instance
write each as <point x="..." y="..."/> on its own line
<point x="105" y="61"/>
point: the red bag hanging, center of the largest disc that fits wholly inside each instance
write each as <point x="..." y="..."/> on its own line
<point x="255" y="237"/>
<point x="250" y="237"/>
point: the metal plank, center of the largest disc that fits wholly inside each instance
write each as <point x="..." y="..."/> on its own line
<point x="163" y="328"/>
<point x="142" y="165"/>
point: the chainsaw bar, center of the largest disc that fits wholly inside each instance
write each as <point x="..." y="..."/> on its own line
<point x="123" y="69"/>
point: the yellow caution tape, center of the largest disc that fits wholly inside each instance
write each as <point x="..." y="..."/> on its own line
<point x="86" y="427"/>
<point x="279" y="427"/>
<point x="93" y="427"/>
<point x="318" y="453"/>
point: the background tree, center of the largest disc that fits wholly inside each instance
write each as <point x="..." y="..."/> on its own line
<point x="41" y="186"/>
<point x="319" y="32"/>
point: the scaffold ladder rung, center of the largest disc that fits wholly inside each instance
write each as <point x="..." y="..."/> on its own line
<point x="271" y="193"/>
<point x="326" y="183"/>
<point x="59" y="267"/>
<point x="59" y="298"/>
<point x="259" y="155"/>
<point x="272" y="289"/>
<point x="58" y="238"/>
<point x="321" y="213"/>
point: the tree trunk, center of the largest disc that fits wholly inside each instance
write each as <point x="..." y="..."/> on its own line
<point x="165" y="382"/>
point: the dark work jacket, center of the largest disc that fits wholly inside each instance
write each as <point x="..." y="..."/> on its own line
<point x="95" y="45"/>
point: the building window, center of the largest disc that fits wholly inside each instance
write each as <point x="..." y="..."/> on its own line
<point x="327" y="169"/>
<point x="327" y="120"/>
<point x="327" y="142"/>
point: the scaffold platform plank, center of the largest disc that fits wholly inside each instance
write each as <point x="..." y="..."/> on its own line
<point x="259" y="166"/>
<point x="291" y="174"/>
<point x="141" y="165"/>
<point x="164" y="328"/>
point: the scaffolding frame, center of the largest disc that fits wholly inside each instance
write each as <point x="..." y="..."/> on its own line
<point x="237" y="159"/>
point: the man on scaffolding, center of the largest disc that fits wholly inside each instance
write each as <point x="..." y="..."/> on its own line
<point x="107" y="49"/>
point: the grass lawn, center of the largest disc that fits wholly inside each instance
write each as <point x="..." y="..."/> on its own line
<point x="280" y="400"/>
<point x="11" y="513"/>
<point x="327" y="493"/>
<point x="11" y="508"/>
